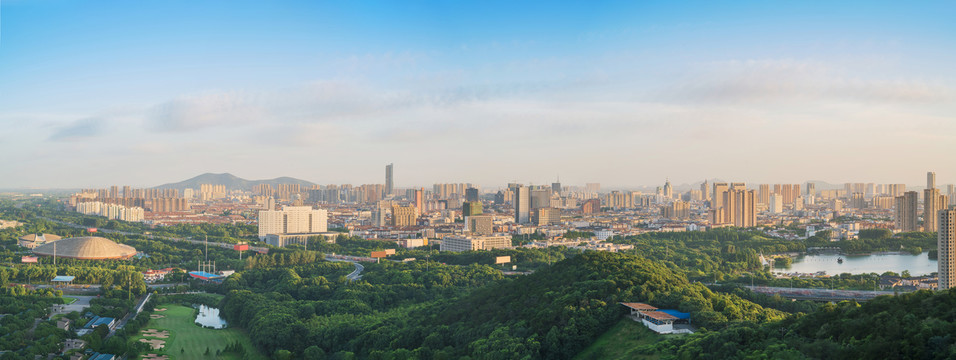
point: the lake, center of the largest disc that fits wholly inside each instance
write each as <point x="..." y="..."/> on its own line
<point x="209" y="317"/>
<point x="863" y="264"/>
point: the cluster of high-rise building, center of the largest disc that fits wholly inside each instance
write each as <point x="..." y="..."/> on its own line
<point x="111" y="211"/>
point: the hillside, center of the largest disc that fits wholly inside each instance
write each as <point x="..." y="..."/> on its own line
<point x="418" y="310"/>
<point x="231" y="182"/>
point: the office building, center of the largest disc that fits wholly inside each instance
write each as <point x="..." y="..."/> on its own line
<point x="522" y="204"/>
<point x="705" y="191"/>
<point x="469" y="208"/>
<point x="668" y="189"/>
<point x="479" y="224"/>
<point x="292" y="220"/>
<point x="556" y="188"/>
<point x="931" y="180"/>
<point x="946" y="243"/>
<point x="811" y="189"/>
<point x="470" y="243"/>
<point x="471" y="194"/>
<point x="546" y="216"/>
<point x="540" y="198"/>
<point x="905" y="217"/>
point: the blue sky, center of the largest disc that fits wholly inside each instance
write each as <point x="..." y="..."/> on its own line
<point x="94" y="93"/>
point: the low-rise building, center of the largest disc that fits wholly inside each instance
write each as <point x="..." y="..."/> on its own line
<point x="468" y="243"/>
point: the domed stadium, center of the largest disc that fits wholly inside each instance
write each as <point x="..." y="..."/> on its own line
<point x="86" y="248"/>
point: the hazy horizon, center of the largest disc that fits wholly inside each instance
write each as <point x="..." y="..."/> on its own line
<point x="94" y="94"/>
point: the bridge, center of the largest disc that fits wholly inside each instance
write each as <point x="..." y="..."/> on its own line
<point x="819" y="294"/>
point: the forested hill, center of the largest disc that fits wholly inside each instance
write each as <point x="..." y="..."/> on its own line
<point x="551" y="314"/>
<point x="920" y="325"/>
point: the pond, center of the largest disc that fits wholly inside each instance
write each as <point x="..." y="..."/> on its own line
<point x="209" y="317"/>
<point x="863" y="264"/>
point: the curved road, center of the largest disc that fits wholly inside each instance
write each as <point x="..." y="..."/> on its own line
<point x="354" y="275"/>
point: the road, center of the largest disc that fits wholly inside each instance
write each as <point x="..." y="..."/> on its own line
<point x="819" y="294"/>
<point x="354" y="275"/>
<point x="197" y="242"/>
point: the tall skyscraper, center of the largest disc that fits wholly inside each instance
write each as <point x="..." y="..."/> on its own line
<point x="930" y="180"/>
<point x="522" y="204"/>
<point x="946" y="242"/>
<point x="469" y="208"/>
<point x="811" y="189"/>
<point x="705" y="191"/>
<point x="951" y="193"/>
<point x="905" y="219"/>
<point x="389" y="184"/>
<point x="668" y="189"/>
<point x="556" y="187"/>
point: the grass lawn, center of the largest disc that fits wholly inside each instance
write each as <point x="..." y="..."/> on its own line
<point x="68" y="300"/>
<point x="620" y="341"/>
<point x="193" y="340"/>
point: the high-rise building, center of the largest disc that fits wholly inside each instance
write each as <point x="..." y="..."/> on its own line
<point x="292" y="220"/>
<point x="718" y="195"/>
<point x="469" y="208"/>
<point x="763" y="194"/>
<point x="705" y="191"/>
<point x="540" y="198"/>
<point x="811" y="189"/>
<point x="946" y="243"/>
<point x="933" y="202"/>
<point x="389" y="180"/>
<point x="745" y="208"/>
<point x="420" y="200"/>
<point x="951" y="193"/>
<point x="556" y="187"/>
<point x="403" y="216"/>
<point x="471" y="194"/>
<point x="738" y="186"/>
<point x="787" y="191"/>
<point x="593" y="187"/>
<point x="906" y="219"/>
<point x="931" y="180"/>
<point x="592" y="206"/>
<point x="857" y="200"/>
<point x="668" y="189"/>
<point x="522" y="204"/>
<point x="776" y="204"/>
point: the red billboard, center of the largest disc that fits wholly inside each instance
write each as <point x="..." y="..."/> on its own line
<point x="29" y="259"/>
<point x="241" y="247"/>
<point x="92" y="230"/>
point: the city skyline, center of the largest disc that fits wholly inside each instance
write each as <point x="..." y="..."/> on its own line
<point x="621" y="93"/>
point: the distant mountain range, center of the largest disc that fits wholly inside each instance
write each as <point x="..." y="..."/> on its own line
<point x="231" y="182"/>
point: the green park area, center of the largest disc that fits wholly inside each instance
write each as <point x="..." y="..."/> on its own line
<point x="173" y="326"/>
<point x="623" y="341"/>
